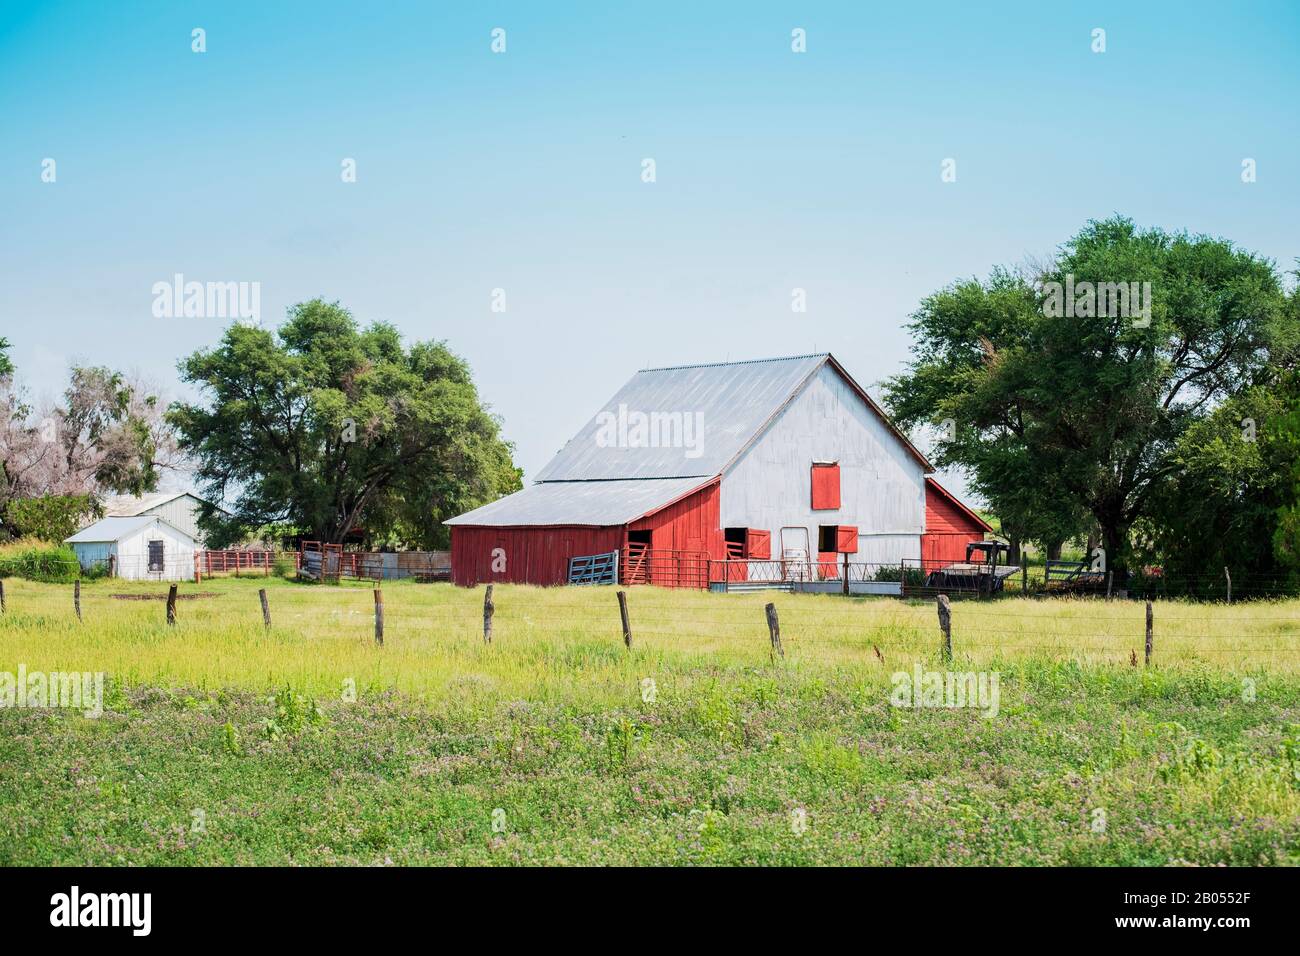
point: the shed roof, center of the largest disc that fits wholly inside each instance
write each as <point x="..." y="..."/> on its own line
<point x="127" y="506"/>
<point x="116" y="528"/>
<point x="731" y="401"/>
<point x="584" y="503"/>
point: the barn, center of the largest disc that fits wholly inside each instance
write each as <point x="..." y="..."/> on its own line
<point x="143" y="547"/>
<point x="696" y="475"/>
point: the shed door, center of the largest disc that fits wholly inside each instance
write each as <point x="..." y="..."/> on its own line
<point x="155" y="555"/>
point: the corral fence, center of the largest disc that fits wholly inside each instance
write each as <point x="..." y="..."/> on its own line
<point x="329" y="562"/>
<point x="239" y="562"/>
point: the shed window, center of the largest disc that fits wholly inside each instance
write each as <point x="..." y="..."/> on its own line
<point x="825" y="486"/>
<point x="155" y="555"/>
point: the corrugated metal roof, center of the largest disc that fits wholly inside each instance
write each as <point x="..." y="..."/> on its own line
<point x="128" y="506"/>
<point x="111" y="529"/>
<point x="589" y="503"/>
<point x="713" y="410"/>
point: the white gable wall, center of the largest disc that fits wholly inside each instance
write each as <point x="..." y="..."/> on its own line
<point x="131" y="554"/>
<point x="882" y="486"/>
<point x="178" y="554"/>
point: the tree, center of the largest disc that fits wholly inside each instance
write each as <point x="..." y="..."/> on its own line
<point x="108" y="432"/>
<point x="51" y="517"/>
<point x="106" y="435"/>
<point x="6" y="365"/>
<point x="328" y="428"/>
<point x="1084" y="410"/>
<point x="965" y="329"/>
<point x="1237" y="476"/>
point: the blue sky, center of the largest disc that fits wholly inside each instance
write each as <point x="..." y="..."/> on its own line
<point x="522" y="171"/>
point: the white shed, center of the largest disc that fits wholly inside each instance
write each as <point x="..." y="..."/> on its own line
<point x="146" y="548"/>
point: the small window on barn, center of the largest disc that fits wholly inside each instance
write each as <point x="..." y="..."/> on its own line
<point x="155" y="555"/>
<point x="825" y="485"/>
<point x="751" y="543"/>
<point x="827" y="538"/>
<point x="837" y="539"/>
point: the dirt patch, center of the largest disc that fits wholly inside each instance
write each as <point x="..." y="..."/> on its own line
<point x="163" y="597"/>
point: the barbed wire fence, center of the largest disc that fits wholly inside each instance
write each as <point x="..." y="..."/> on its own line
<point x="1134" y="632"/>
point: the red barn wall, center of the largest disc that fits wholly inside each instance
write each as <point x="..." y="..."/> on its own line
<point x="691" y="524"/>
<point x="533" y="555"/>
<point x="540" y="555"/>
<point x="948" y="529"/>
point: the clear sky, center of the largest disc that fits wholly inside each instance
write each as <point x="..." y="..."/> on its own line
<point x="523" y="170"/>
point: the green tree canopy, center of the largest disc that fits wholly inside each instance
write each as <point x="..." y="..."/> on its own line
<point x="1076" y="417"/>
<point x="1236" y="483"/>
<point x="328" y="427"/>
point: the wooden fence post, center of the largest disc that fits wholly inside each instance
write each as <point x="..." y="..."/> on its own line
<point x="171" y="605"/>
<point x="379" y="617"/>
<point x="489" y="608"/>
<point x="76" y="597"/>
<point x="112" y="565"/>
<point x="622" y="612"/>
<point x="1228" y="576"/>
<point x="774" y="631"/>
<point x="1024" y="573"/>
<point x="2" y="596"/>
<point x="846" y="572"/>
<point x="266" y="608"/>
<point x="1109" y="581"/>
<point x="945" y="625"/>
<point x="1150" y="635"/>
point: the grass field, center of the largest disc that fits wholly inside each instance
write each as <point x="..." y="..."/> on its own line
<point x="223" y="742"/>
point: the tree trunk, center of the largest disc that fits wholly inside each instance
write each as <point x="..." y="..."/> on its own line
<point x="1014" y="542"/>
<point x="1114" y="538"/>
